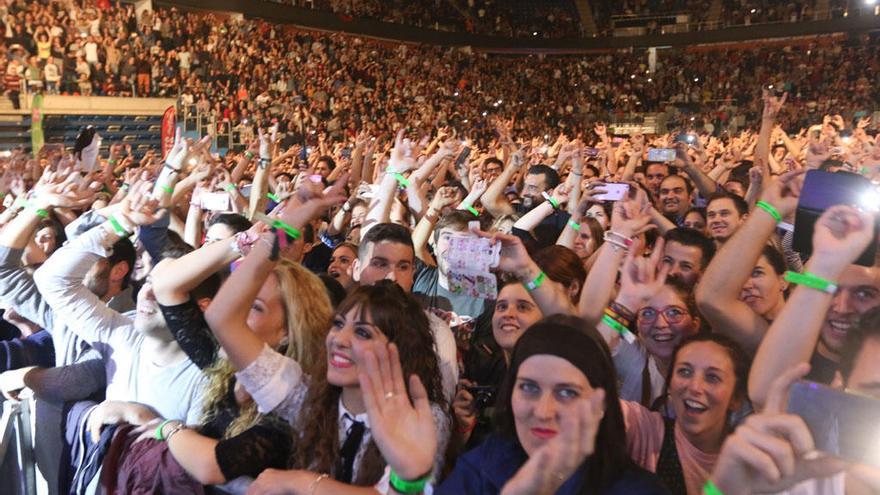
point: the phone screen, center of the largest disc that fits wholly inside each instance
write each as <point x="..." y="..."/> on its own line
<point x="822" y="190"/>
<point x="615" y="192"/>
<point x="661" y="154"/>
<point x="842" y="423"/>
<point x="463" y="156"/>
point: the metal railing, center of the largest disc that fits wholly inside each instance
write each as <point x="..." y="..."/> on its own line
<point x="16" y="432"/>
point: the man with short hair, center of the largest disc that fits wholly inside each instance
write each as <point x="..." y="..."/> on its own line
<point x="688" y="253"/>
<point x="725" y="213"/>
<point x="386" y="252"/>
<point x="675" y="197"/>
<point x="655" y="172"/>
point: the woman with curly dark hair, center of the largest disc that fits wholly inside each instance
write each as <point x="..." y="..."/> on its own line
<point x="338" y="448"/>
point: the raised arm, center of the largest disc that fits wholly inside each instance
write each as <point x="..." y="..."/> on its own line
<point x="720" y="287"/>
<point x="493" y="199"/>
<point x="228" y="312"/>
<point x="422" y="233"/>
<point x="400" y="162"/>
<point x="841" y="234"/>
<point x="705" y="185"/>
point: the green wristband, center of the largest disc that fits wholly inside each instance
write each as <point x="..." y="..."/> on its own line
<point x="408" y="487"/>
<point x="290" y="231"/>
<point x="229" y="188"/>
<point x="272" y="197"/>
<point x="117" y="227"/>
<point x="710" y="488"/>
<point x="539" y="280"/>
<point x="167" y="188"/>
<point x="551" y="199"/>
<point x="249" y="155"/>
<point x="769" y="209"/>
<point x="812" y="281"/>
<point x="470" y="208"/>
<point x="39" y="211"/>
<point x="401" y="180"/>
<point x="159" y="436"/>
<point x="576" y="226"/>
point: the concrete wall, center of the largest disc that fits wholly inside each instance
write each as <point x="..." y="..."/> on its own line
<point x="105" y="105"/>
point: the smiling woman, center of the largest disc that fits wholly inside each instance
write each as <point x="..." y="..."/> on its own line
<point x="560" y="426"/>
<point x="707" y="383"/>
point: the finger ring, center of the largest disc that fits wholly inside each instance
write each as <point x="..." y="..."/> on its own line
<point x="389" y="395"/>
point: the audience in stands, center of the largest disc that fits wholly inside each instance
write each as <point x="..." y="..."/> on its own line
<point x="411" y="279"/>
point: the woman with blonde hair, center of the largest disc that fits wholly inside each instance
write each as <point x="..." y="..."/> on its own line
<point x="290" y="314"/>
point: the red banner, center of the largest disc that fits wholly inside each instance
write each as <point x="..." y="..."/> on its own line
<point x="169" y="121"/>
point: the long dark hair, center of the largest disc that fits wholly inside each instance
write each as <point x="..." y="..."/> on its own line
<point x="400" y="317"/>
<point x="610" y="459"/>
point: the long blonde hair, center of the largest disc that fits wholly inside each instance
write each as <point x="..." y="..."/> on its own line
<point x="307" y="316"/>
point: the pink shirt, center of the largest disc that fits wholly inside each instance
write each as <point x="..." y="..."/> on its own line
<point x="644" y="438"/>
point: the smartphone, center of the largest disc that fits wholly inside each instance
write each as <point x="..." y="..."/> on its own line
<point x="591" y="152"/>
<point x="345" y="153"/>
<point x="215" y="201"/>
<point x="245" y="190"/>
<point x="822" y="190"/>
<point x="685" y="138"/>
<point x="661" y="154"/>
<point x="463" y="156"/>
<point x="842" y="423"/>
<point x="615" y="192"/>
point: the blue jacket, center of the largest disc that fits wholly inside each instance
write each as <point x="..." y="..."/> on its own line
<point x="485" y="469"/>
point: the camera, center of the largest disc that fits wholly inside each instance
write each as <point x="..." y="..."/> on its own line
<point x="484" y="397"/>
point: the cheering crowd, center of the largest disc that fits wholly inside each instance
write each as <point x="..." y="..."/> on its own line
<point x="245" y="73"/>
<point x="331" y="319"/>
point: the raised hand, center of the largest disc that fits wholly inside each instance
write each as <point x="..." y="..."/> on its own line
<point x="642" y="277"/>
<point x="782" y="191"/>
<point x="178" y="151"/>
<point x="840" y="235"/>
<point x="138" y="208"/>
<point x="403" y="157"/>
<point x="267" y="139"/>
<point x="631" y="215"/>
<point x="514" y="257"/>
<point x="773" y="104"/>
<point x="773" y="450"/>
<point x="558" y="459"/>
<point x="403" y="429"/>
<point x="445" y="196"/>
<point x="310" y="201"/>
<point x="65" y="188"/>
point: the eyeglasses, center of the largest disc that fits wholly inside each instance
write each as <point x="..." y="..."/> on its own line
<point x="672" y="314"/>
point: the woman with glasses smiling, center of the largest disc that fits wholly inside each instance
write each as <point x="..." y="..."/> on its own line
<point x="652" y="315"/>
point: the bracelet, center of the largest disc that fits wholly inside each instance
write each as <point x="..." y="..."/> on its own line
<point x="39" y="211"/>
<point x="469" y="207"/>
<point x="264" y="162"/>
<point x="614" y="315"/>
<point x="407" y="487"/>
<point x="278" y="224"/>
<point x="812" y="281"/>
<point x="619" y="328"/>
<point x="111" y="161"/>
<point x="539" y="280"/>
<point x="576" y="226"/>
<point x="617" y="241"/>
<point x="249" y="154"/>
<point x="710" y="488"/>
<point x="313" y="486"/>
<point x="402" y="181"/>
<point x="118" y="228"/>
<point x="158" y="434"/>
<point x="180" y="426"/>
<point x="622" y="310"/>
<point x="124" y="186"/>
<point x="769" y="209"/>
<point x="229" y="187"/>
<point x="167" y="188"/>
<point x="168" y="166"/>
<point x="272" y="197"/>
<point x="346" y="207"/>
<point x="551" y="200"/>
